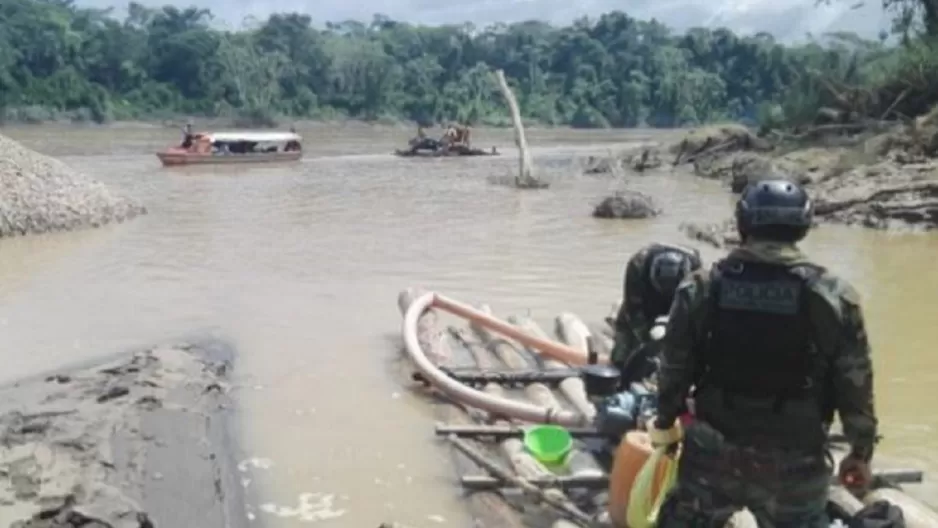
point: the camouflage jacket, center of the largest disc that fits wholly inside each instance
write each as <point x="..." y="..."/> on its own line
<point x="840" y="330"/>
<point x="632" y="321"/>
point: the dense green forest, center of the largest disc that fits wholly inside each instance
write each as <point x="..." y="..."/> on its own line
<point x="57" y="59"/>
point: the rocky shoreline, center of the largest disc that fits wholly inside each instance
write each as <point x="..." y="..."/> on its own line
<point x="885" y="180"/>
<point x="138" y="442"/>
<point x="39" y="194"/>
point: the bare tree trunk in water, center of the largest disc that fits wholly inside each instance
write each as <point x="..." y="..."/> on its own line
<point x="525" y="178"/>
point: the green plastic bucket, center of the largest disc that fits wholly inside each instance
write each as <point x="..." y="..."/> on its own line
<point x="549" y="444"/>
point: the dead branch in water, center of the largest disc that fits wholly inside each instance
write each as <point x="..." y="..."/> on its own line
<point x="525" y="178"/>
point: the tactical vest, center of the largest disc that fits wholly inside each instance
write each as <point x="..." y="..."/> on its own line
<point x="655" y="304"/>
<point x="762" y="347"/>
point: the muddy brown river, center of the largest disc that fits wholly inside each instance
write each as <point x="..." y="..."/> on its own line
<point x="299" y="267"/>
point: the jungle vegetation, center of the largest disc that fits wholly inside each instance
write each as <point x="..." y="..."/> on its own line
<point x="58" y="59"/>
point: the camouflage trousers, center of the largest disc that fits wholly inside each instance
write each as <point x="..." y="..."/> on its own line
<point x="715" y="479"/>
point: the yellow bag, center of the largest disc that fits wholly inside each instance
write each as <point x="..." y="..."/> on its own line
<point x="654" y="481"/>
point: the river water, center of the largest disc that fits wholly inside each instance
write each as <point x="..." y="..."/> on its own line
<point x="299" y="267"/>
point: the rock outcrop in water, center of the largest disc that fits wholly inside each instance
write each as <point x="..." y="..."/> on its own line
<point x="627" y="205"/>
<point x="39" y="194"/>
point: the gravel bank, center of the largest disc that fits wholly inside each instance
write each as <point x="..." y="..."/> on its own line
<point x="139" y="442"/>
<point x="39" y="194"/>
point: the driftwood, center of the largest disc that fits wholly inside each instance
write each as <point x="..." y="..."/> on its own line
<point x="564" y="506"/>
<point x="525" y="178"/>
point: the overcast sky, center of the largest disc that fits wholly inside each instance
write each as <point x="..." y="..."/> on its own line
<point x="786" y="19"/>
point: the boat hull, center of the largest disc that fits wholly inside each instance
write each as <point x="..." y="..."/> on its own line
<point x="174" y="159"/>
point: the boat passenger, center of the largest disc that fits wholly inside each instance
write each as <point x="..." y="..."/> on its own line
<point x="292" y="145"/>
<point x="772" y="345"/>
<point x="449" y="137"/>
<point x="187" y="137"/>
<point x="651" y="278"/>
<point x="462" y="135"/>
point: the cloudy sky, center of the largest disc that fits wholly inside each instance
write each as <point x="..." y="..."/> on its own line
<point x="786" y="19"/>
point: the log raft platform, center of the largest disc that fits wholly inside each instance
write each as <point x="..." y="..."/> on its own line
<point x="505" y="486"/>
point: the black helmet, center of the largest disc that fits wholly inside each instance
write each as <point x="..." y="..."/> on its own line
<point x="668" y="269"/>
<point x="774" y="209"/>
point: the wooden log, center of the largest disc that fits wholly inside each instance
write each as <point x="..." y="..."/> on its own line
<point x="592" y="482"/>
<point x="499" y="432"/>
<point x="487" y="508"/>
<point x="429" y="333"/>
<point x="579" y="462"/>
<point x="525" y="178"/>
<point x="513" y="448"/>
<point x="572" y="387"/>
<point x="573" y="331"/>
<point x="597" y="482"/>
<point x="560" y="503"/>
<point x="508" y="377"/>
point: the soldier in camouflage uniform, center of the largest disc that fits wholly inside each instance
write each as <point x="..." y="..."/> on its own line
<point x="651" y="278"/>
<point x="772" y="345"/>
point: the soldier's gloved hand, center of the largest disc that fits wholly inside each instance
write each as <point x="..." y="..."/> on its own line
<point x="855" y="474"/>
<point x="662" y="435"/>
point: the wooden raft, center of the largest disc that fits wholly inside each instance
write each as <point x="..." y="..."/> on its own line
<point x="506" y="486"/>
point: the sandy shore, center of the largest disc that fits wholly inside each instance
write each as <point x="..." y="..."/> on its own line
<point x="139" y="441"/>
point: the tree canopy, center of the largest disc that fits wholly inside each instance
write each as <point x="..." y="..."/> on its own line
<point x="57" y="58"/>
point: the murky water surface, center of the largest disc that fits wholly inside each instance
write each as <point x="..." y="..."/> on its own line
<point x="299" y="266"/>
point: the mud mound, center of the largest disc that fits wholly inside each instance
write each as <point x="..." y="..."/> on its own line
<point x="636" y="160"/>
<point x="882" y="196"/>
<point x="741" y="168"/>
<point x="717" y="140"/>
<point x="39" y="194"/>
<point x="627" y="205"/>
<point x="116" y="445"/>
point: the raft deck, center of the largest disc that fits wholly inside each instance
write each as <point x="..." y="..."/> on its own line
<point x="506" y="486"/>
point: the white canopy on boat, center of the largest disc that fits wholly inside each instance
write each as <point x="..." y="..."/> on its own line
<point x="257" y="136"/>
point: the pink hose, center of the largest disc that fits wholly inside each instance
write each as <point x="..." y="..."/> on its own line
<point x="469" y="396"/>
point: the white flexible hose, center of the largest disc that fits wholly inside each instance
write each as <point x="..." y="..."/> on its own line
<point x="467" y="395"/>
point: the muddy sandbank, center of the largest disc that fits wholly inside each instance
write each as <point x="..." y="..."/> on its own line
<point x="139" y="441"/>
<point x="880" y="180"/>
<point x="39" y="194"/>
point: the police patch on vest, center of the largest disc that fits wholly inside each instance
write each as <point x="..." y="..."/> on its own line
<point x="777" y="297"/>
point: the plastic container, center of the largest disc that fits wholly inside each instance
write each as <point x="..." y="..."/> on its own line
<point x="633" y="451"/>
<point x="549" y="444"/>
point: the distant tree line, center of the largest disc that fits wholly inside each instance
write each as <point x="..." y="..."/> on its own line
<point x="57" y="59"/>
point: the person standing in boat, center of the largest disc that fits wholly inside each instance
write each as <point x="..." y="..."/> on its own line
<point x="772" y="345"/>
<point x="449" y="137"/>
<point x="187" y="137"/>
<point x="651" y="278"/>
